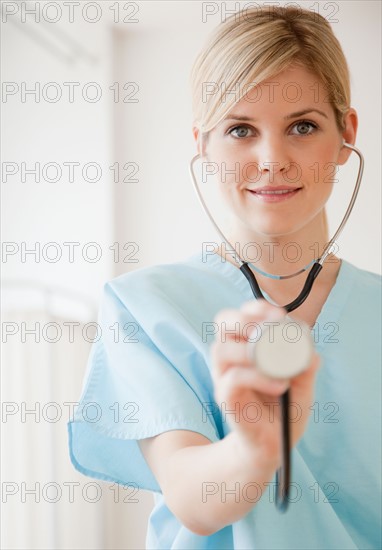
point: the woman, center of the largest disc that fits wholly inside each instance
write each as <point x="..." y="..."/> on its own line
<point x="183" y="412"/>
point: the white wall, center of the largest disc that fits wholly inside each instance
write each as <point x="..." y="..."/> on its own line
<point x="37" y="213"/>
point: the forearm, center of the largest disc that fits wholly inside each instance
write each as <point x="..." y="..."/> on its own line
<point x="210" y="486"/>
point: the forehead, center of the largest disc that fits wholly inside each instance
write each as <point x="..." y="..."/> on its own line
<point x="295" y="89"/>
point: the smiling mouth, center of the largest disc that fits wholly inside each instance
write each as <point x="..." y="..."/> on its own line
<point x="282" y="192"/>
<point x="274" y="195"/>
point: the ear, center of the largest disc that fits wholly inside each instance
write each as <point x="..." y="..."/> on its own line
<point x="349" y="135"/>
<point x="196" y="134"/>
<point x="198" y="138"/>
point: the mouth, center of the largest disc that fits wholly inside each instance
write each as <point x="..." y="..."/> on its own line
<point x="269" y="194"/>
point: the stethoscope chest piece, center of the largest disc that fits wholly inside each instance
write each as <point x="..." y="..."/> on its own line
<point x="284" y="349"/>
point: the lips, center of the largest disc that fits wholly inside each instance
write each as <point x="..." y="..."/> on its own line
<point x="277" y="192"/>
<point x="269" y="189"/>
<point x="271" y="193"/>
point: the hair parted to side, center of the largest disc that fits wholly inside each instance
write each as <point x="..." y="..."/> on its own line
<point x="254" y="45"/>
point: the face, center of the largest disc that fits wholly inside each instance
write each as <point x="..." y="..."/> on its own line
<point x="277" y="152"/>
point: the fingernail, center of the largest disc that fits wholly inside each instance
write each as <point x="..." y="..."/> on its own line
<point x="276" y="314"/>
<point x="281" y="384"/>
<point x="251" y="307"/>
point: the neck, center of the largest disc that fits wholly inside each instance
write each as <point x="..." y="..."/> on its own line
<point x="283" y="255"/>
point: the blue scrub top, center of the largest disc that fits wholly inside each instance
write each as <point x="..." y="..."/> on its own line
<point x="149" y="372"/>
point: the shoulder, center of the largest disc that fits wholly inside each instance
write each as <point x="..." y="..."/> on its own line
<point x="367" y="280"/>
<point x="187" y="292"/>
<point x="161" y="278"/>
<point x="194" y="278"/>
<point x="168" y="292"/>
<point x="361" y="290"/>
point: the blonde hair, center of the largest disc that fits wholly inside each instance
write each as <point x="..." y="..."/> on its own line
<point x="256" y="44"/>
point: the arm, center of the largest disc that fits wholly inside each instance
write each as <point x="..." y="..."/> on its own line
<point x="186" y="463"/>
<point x="189" y="469"/>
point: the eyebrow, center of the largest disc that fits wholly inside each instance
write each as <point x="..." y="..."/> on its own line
<point x="232" y="116"/>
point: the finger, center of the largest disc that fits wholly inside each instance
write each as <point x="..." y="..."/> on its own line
<point x="261" y="308"/>
<point x="307" y="376"/>
<point x="238" y="378"/>
<point x="226" y="355"/>
<point x="239" y="325"/>
<point x="255" y="309"/>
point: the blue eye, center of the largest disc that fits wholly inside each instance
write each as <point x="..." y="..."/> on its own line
<point x="305" y="127"/>
<point x="242" y="131"/>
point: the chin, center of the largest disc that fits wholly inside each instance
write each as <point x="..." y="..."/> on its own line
<point x="273" y="229"/>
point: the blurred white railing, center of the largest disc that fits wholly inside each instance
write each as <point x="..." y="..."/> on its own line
<point x="45" y="350"/>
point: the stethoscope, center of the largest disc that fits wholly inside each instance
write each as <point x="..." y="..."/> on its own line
<point x="265" y="353"/>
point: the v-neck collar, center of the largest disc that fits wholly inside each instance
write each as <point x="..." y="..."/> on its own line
<point x="333" y="305"/>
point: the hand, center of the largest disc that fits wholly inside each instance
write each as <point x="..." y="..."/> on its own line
<point x="240" y="387"/>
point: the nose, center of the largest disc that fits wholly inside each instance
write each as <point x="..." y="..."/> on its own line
<point x="272" y="157"/>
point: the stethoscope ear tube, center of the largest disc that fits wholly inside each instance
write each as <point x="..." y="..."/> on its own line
<point x="329" y="245"/>
<point x="283" y="474"/>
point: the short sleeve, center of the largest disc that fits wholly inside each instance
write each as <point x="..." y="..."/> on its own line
<point x="134" y="389"/>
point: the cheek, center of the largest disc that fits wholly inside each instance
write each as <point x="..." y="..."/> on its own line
<point x="320" y="166"/>
<point x="234" y="170"/>
<point x="226" y="153"/>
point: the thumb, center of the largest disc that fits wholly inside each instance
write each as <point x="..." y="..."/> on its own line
<point x="308" y="375"/>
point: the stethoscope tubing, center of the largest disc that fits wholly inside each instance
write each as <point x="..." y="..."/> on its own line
<point x="284" y="472"/>
<point x="329" y="245"/>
